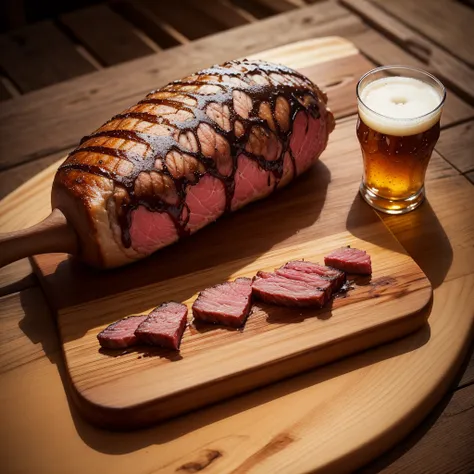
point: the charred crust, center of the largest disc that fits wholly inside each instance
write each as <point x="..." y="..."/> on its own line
<point x="192" y="96"/>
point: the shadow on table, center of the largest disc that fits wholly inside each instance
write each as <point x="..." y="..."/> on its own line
<point x="42" y="330"/>
<point x="398" y="451"/>
<point x="419" y="232"/>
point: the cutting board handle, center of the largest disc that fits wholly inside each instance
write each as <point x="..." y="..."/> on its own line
<point x="54" y="234"/>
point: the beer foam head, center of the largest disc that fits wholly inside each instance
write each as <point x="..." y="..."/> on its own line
<point x="399" y="105"/>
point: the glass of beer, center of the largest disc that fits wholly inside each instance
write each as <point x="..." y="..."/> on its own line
<point x="398" y="127"/>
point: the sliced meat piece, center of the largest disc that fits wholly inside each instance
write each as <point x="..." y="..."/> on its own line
<point x="120" y="334"/>
<point x="336" y="277"/>
<point x="227" y="303"/>
<point x="310" y="278"/>
<point x="164" y="326"/>
<point x="350" y="260"/>
<point x="273" y="288"/>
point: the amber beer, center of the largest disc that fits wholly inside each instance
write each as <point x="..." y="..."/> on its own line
<point x="398" y="127"/>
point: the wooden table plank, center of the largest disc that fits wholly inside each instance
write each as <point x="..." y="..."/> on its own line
<point x="224" y="12"/>
<point x="107" y="35"/>
<point x="445" y="447"/>
<point x="468" y="373"/>
<point x="447" y="24"/>
<point x="23" y="339"/>
<point x="13" y="177"/>
<point x="470" y="176"/>
<point x="91" y="101"/>
<point x="162" y="34"/>
<point x="16" y="277"/>
<point x="258" y="10"/>
<point x="456" y="145"/>
<point x="447" y="222"/>
<point x="189" y="21"/>
<point x="278" y="6"/>
<point x="39" y="55"/>
<point x="4" y="92"/>
<point x="453" y="72"/>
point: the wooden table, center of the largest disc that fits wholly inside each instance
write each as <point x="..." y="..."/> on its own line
<point x="40" y="429"/>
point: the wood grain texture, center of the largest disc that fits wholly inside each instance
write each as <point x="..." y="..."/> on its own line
<point x="452" y="71"/>
<point x="224" y="12"/>
<point x="40" y="55"/>
<point x="447" y="220"/>
<point x="456" y="145"/>
<point x="278" y="6"/>
<point x="470" y="176"/>
<point x="468" y="375"/>
<point x="12" y="178"/>
<point x="193" y="24"/>
<point x="433" y="453"/>
<point x="107" y="35"/>
<point x="446" y="23"/>
<point x="161" y="33"/>
<point x="16" y="350"/>
<point x="4" y="92"/>
<point x="16" y="277"/>
<point x="256" y="9"/>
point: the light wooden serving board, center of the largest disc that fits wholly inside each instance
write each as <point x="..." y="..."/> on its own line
<point x="314" y="215"/>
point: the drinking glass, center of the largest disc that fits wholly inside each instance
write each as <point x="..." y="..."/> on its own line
<point x="398" y="126"/>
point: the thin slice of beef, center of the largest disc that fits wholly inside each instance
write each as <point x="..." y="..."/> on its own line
<point x="335" y="276"/>
<point x="227" y="303"/>
<point x="277" y="289"/>
<point x="310" y="278"/>
<point x="164" y="326"/>
<point x="121" y="334"/>
<point x="350" y="260"/>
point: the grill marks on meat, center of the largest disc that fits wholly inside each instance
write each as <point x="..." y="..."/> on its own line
<point x="227" y="123"/>
<point x="121" y="334"/>
<point x="350" y="260"/>
<point x="164" y="326"/>
<point x="227" y="303"/>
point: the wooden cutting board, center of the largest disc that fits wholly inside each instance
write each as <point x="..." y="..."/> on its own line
<point x="319" y="212"/>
